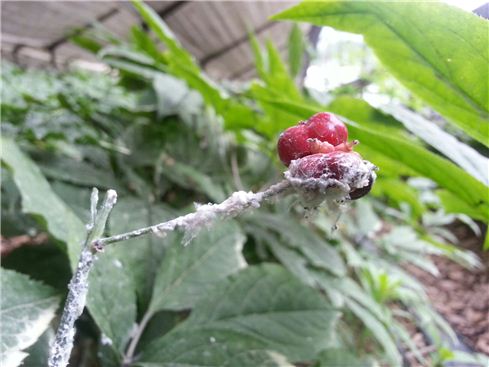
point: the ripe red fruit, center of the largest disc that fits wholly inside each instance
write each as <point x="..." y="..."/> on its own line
<point x="293" y="144"/>
<point x="327" y="127"/>
<point x="322" y="133"/>
<point x="346" y="171"/>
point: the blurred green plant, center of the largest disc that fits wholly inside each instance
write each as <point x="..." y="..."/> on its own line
<point x="164" y="135"/>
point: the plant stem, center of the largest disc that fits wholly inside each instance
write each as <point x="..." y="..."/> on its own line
<point x="131" y="349"/>
<point x="237" y="203"/>
<point x="75" y="302"/>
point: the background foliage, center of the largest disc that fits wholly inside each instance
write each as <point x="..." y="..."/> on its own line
<point x="276" y="286"/>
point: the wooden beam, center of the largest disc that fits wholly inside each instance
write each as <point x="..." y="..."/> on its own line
<point x="218" y="53"/>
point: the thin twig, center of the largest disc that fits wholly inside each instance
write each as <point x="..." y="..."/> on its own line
<point x="204" y="215"/>
<point x="75" y="302"/>
<point x="235" y="171"/>
<point x="131" y="349"/>
<point x="7" y="245"/>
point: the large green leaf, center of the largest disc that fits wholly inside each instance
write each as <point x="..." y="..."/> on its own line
<point x="270" y="305"/>
<point x="26" y="309"/>
<point x="111" y="300"/>
<point x="360" y="111"/>
<point x="140" y="257"/>
<point x="39" y="351"/>
<point x="453" y="204"/>
<point x="336" y="357"/>
<point x="263" y="308"/>
<point x="38" y="199"/>
<point x="190" y="272"/>
<point x="210" y="348"/>
<point x="297" y="236"/>
<point x="437" y="51"/>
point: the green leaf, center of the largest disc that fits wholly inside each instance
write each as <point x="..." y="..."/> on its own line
<point x="379" y="331"/>
<point x="141" y="257"/>
<point x="26" y="309"/>
<point x="297" y="236"/>
<point x="296" y="263"/>
<point x="260" y="58"/>
<point x="170" y="92"/>
<point x="193" y="179"/>
<point x="454" y="204"/>
<point x="38" y="199"/>
<point x="165" y="34"/>
<point x="428" y="164"/>
<point x="190" y="272"/>
<point x="350" y="289"/>
<point x="39" y="351"/>
<point x="88" y="43"/>
<point x="367" y="116"/>
<point x="465" y="156"/>
<point x="297" y="48"/>
<point x="278" y="79"/>
<point x="78" y="173"/>
<point x="269" y="305"/>
<point x="400" y="192"/>
<point x="437" y="51"/>
<point x="336" y="357"/>
<point x="210" y="348"/>
<point x="111" y="299"/>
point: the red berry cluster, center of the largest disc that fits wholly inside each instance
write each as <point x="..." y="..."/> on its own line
<point x="318" y="148"/>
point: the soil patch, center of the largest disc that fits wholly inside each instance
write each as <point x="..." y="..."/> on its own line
<point x="462" y="295"/>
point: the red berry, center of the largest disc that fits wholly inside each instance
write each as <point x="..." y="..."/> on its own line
<point x="293" y="144"/>
<point x="327" y="127"/>
<point x="322" y="133"/>
<point x="344" y="170"/>
<point x="317" y="165"/>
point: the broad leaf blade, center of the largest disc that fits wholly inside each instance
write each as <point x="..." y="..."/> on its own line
<point x="212" y="348"/>
<point x="140" y="257"/>
<point x="360" y="111"/>
<point x="270" y="305"/>
<point x="188" y="273"/>
<point x="454" y="204"/>
<point x="336" y="357"/>
<point x="38" y="199"/>
<point x="316" y="250"/>
<point x="26" y="309"/>
<point x="437" y="51"/>
<point x="111" y="300"/>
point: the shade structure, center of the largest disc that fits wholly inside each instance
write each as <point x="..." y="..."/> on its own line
<point x="37" y="33"/>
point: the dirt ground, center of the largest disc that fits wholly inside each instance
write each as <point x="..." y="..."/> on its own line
<point x="461" y="295"/>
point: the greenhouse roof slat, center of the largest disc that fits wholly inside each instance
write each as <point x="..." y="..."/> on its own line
<point x="36" y="33"/>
